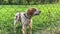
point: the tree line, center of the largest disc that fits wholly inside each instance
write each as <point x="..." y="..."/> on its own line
<point x="20" y="2"/>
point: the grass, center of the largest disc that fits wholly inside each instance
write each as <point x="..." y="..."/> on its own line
<point x="47" y="20"/>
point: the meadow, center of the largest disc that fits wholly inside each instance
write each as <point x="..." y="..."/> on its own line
<point x="48" y="19"/>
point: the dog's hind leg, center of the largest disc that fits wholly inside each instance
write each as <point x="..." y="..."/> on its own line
<point x="15" y="22"/>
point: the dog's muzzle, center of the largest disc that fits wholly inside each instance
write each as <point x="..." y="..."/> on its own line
<point x="37" y="13"/>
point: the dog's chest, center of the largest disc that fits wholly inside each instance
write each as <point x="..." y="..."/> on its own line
<point x="24" y="20"/>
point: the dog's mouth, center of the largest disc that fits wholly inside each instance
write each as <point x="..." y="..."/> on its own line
<point x="37" y="14"/>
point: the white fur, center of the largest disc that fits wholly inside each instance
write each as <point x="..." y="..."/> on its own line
<point x="24" y="20"/>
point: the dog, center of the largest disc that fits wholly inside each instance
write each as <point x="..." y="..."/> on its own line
<point x="25" y="19"/>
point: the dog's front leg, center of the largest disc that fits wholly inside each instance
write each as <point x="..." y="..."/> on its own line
<point x="24" y="29"/>
<point x="30" y="26"/>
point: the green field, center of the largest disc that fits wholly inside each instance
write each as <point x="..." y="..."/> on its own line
<point x="48" y="19"/>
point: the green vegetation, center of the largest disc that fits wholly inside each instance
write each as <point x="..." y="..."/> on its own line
<point x="21" y="2"/>
<point x="47" y="20"/>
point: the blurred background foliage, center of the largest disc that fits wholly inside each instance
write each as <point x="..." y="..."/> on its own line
<point x="19" y="2"/>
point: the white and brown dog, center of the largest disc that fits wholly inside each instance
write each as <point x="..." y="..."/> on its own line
<point x="25" y="19"/>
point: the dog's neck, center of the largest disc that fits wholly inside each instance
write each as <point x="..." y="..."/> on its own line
<point x="27" y="15"/>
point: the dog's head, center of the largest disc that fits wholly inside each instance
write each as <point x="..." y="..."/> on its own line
<point x="33" y="11"/>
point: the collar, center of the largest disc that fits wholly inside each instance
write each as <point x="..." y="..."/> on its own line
<point x="27" y="16"/>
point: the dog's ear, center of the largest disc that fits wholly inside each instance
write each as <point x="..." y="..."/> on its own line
<point x="31" y="11"/>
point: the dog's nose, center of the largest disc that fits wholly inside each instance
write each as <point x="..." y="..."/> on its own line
<point x="39" y="11"/>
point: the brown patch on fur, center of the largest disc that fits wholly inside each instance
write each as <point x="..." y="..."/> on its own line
<point x="30" y="11"/>
<point x="19" y="17"/>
